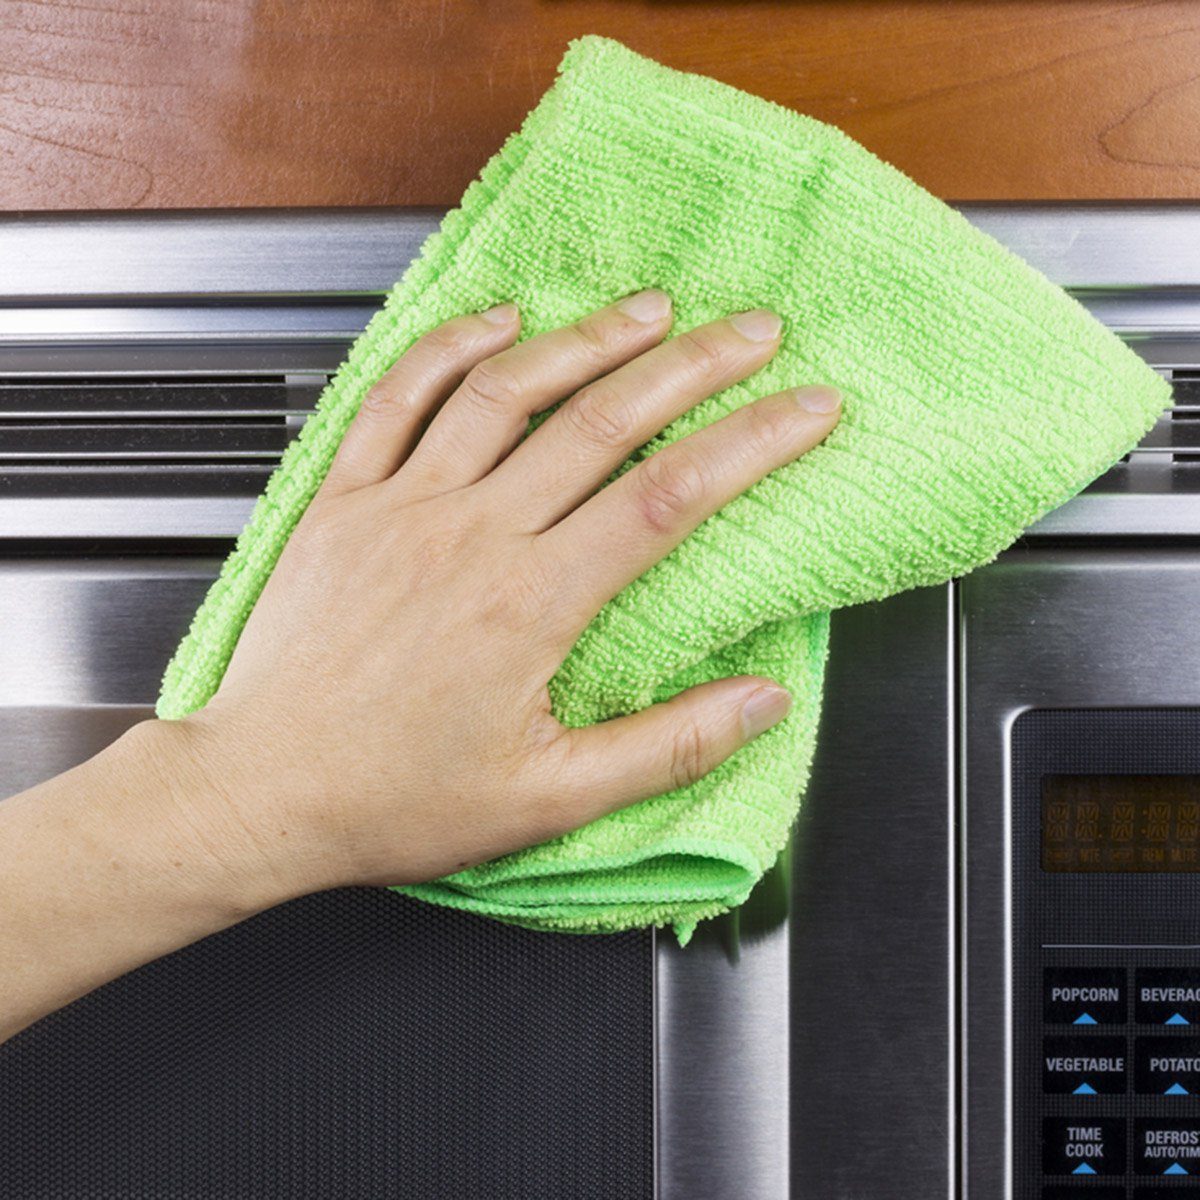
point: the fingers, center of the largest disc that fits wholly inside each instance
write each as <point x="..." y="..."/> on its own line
<point x="489" y="412"/>
<point x="562" y="462"/>
<point x="661" y="748"/>
<point x="394" y="409"/>
<point x="627" y="527"/>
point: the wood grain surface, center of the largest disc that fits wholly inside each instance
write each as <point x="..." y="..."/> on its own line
<point x="201" y="103"/>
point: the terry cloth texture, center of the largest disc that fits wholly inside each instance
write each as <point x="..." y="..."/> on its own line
<point x="978" y="396"/>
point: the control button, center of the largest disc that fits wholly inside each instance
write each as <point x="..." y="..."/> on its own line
<point x="1083" y="1145"/>
<point x="1083" y="1066"/>
<point x="1166" y="1066"/>
<point x="1166" y="1146"/>
<point x="1084" y="995"/>
<point x="1167" y="996"/>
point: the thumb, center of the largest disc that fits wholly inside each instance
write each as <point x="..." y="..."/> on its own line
<point x="668" y="745"/>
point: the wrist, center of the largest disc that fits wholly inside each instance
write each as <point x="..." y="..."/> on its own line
<point x="125" y="857"/>
<point x="248" y="854"/>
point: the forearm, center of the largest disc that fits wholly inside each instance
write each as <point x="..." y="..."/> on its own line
<point x="124" y="858"/>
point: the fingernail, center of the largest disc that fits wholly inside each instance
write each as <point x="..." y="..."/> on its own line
<point x="758" y="325"/>
<point x="502" y="314"/>
<point x="766" y="706"/>
<point x="648" y="306"/>
<point x="818" y="398"/>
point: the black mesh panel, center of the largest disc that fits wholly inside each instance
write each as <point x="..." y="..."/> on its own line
<point x="349" y="1044"/>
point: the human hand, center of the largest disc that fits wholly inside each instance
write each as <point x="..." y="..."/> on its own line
<point x="385" y="717"/>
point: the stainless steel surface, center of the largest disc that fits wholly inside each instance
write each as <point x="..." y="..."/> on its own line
<point x="1121" y="514"/>
<point x="873" y="915"/>
<point x="1103" y="245"/>
<point x="357" y="252"/>
<point x="325" y="319"/>
<point x="99" y="517"/>
<point x="277" y="252"/>
<point x="1109" y="627"/>
<point x="95" y="631"/>
<point x="722" y="1054"/>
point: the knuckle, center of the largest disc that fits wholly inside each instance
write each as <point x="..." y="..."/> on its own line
<point x="596" y="416"/>
<point x="592" y="340"/>
<point x="671" y="483"/>
<point x="703" y="350"/>
<point x="687" y="754"/>
<point x="387" y="397"/>
<point x="768" y="425"/>
<point x="447" y="343"/>
<point x="491" y="386"/>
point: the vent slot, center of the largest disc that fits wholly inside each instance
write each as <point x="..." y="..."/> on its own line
<point x="1174" y="441"/>
<point x="1176" y="435"/>
<point x="192" y="435"/>
<point x="1183" y="425"/>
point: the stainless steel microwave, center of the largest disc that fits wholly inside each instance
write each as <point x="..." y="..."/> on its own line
<point x="975" y="974"/>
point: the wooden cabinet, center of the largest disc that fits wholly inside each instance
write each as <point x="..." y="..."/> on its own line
<point x="198" y="103"/>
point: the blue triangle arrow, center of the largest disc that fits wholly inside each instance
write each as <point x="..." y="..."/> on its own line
<point x="1084" y="1019"/>
<point x="1084" y="1169"/>
<point x="1175" y="1169"/>
<point x="1084" y="1089"/>
<point x="1176" y="1089"/>
<point x="1177" y="1019"/>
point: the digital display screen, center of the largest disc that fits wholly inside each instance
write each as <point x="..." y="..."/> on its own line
<point x="1121" y="823"/>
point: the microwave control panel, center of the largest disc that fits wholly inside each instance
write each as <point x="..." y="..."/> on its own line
<point x="1105" y="995"/>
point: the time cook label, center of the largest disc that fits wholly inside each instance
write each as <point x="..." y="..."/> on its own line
<point x="1088" y="1145"/>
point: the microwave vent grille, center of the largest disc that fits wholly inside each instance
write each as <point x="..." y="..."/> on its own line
<point x="140" y="435"/>
<point x="1175" y="436"/>
<point x="1181" y="429"/>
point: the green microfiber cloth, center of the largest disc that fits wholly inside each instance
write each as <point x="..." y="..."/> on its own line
<point x="978" y="396"/>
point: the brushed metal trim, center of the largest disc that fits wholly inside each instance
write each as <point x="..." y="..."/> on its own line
<point x="722" y="1054"/>
<point x="167" y="518"/>
<point x="297" y="322"/>
<point x="296" y="252"/>
<point x="1161" y="323"/>
<point x="1102" y="244"/>
<point x="231" y="252"/>
<point x="94" y="631"/>
<point x="873" y="914"/>
<point x="1122" y="514"/>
